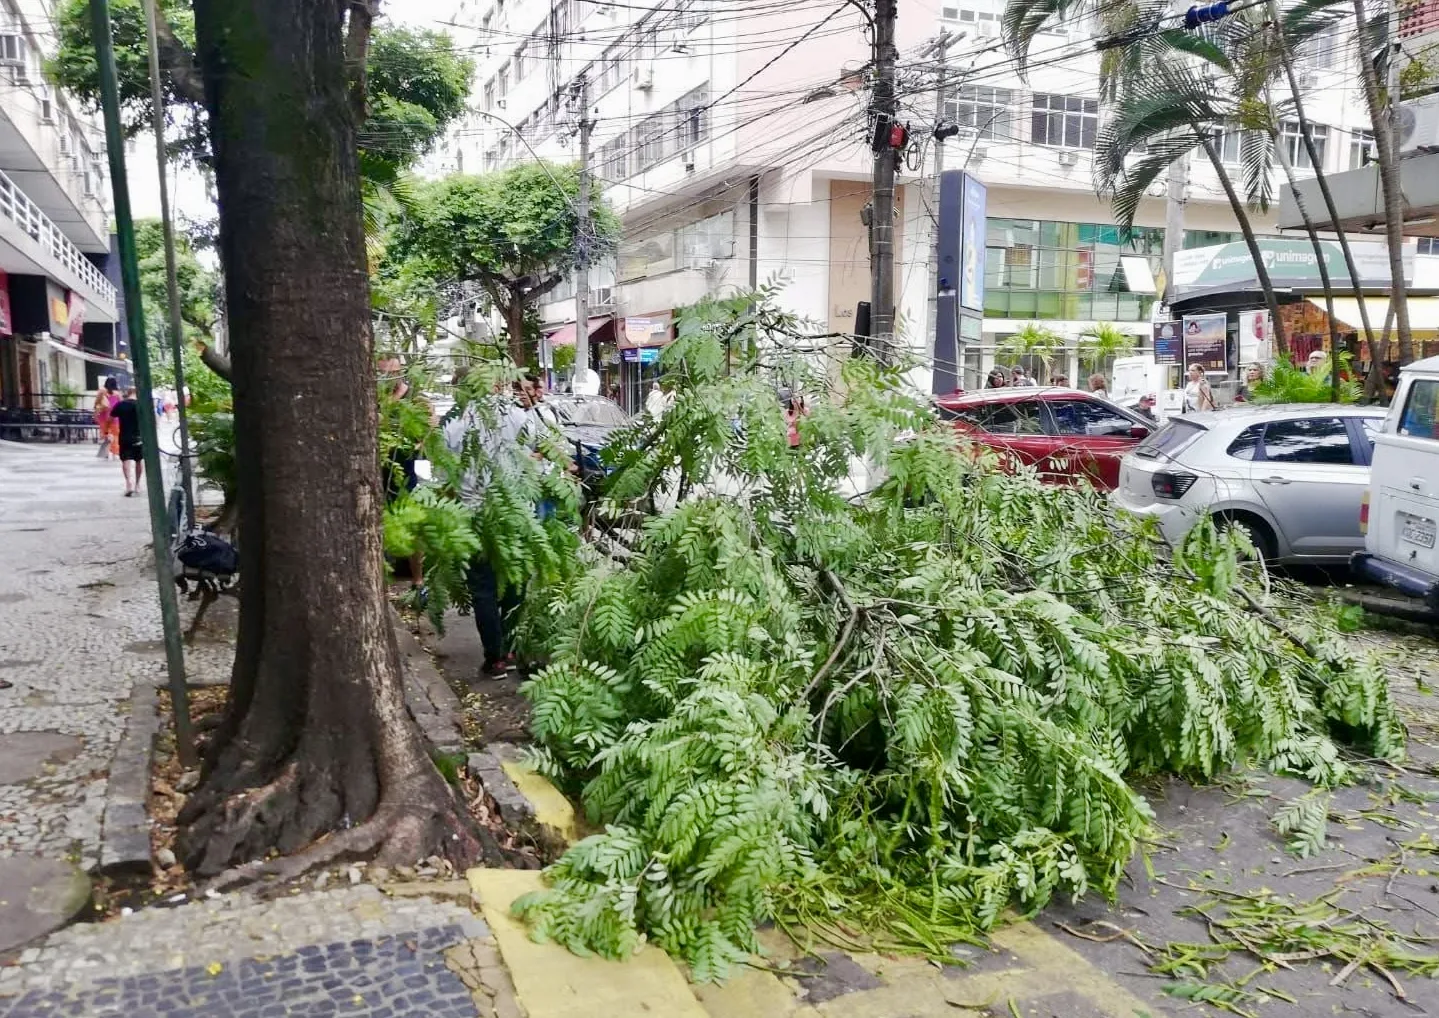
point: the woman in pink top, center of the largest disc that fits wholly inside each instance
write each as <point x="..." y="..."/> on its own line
<point x="105" y="401"/>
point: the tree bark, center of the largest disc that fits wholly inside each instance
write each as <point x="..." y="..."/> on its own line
<point x="1281" y="344"/>
<point x="1386" y="150"/>
<point x="317" y="739"/>
<point x="514" y="310"/>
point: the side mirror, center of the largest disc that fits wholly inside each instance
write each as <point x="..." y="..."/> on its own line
<point x="1139" y="431"/>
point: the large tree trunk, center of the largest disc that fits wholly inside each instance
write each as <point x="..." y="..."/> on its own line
<point x="514" y="311"/>
<point x="317" y="739"/>
<point x="1386" y="150"/>
<point x="1281" y="344"/>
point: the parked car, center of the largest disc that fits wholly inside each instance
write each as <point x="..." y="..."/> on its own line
<point x="1291" y="475"/>
<point x="1402" y="505"/>
<point x="1065" y="434"/>
<point x="586" y="422"/>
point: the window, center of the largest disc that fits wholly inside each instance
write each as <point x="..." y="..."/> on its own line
<point x="519" y="65"/>
<point x="649" y="144"/>
<point x="1293" y="142"/>
<point x="1243" y="447"/>
<point x="1323" y="50"/>
<point x="949" y="13"/>
<point x="12" y="50"/>
<point x="490" y="94"/>
<point x="502" y="82"/>
<point x="1429" y="245"/>
<point x="692" y="117"/>
<point x="1066" y="121"/>
<point x="610" y="69"/>
<point x="1361" y="148"/>
<point x="1087" y="417"/>
<point x="47" y="104"/>
<point x="1020" y="417"/>
<point x="614" y="159"/>
<point x="706" y="241"/>
<point x="1227" y="144"/>
<point x="648" y="257"/>
<point x="988" y="112"/>
<point x="1309" y="440"/>
<point x="1419" y="418"/>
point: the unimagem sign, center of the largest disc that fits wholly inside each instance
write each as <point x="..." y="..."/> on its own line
<point x="1291" y="264"/>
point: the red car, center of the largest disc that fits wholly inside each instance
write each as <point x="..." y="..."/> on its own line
<point x="1065" y="434"/>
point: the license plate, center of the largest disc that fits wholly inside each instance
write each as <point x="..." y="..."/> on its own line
<point x="1417" y="530"/>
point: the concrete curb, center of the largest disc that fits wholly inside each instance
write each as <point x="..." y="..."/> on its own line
<point x="431" y="701"/>
<point x="125" y="827"/>
<point x="526" y="799"/>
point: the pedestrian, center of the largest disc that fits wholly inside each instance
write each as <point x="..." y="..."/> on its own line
<point x="1197" y="394"/>
<point x="1253" y="376"/>
<point x="105" y="401"/>
<point x="1318" y="363"/>
<point x="1099" y="385"/>
<point x="658" y="402"/>
<point x="500" y="427"/>
<point x="795" y="408"/>
<point x="1060" y="380"/>
<point x="1017" y="376"/>
<point x="126" y="414"/>
<point x="1145" y="408"/>
<point x="996" y="379"/>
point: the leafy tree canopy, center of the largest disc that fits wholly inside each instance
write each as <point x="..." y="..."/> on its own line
<point x="516" y="226"/>
<point x="417" y="83"/>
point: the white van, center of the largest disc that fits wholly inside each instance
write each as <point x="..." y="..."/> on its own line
<point x="1402" y="511"/>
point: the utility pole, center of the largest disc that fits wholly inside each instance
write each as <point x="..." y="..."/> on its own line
<point x="172" y="283"/>
<point x="1175" y="194"/>
<point x="583" y="233"/>
<point x="135" y="315"/>
<point x="881" y="254"/>
<point x="943" y="130"/>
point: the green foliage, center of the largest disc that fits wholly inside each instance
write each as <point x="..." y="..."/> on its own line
<point x="67" y="397"/>
<point x="1101" y="343"/>
<point x="901" y="712"/>
<point x="1304" y="821"/>
<point x="501" y="227"/>
<point x="1285" y="383"/>
<point x="417" y="83"/>
<point x="1032" y="340"/>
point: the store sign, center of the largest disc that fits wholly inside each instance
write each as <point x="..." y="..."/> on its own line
<point x="1290" y="263"/>
<point x="1204" y="337"/>
<point x="1168" y="343"/>
<point x="644" y="355"/>
<point x="57" y="305"/>
<point x="1256" y="338"/>
<point x="647" y="330"/>
<point x="6" y="328"/>
<point x="76" y="312"/>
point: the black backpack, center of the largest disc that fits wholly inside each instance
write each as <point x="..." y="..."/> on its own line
<point x="208" y="553"/>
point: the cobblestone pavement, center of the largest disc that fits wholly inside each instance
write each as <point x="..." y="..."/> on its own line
<point x="75" y="598"/>
<point x="349" y="951"/>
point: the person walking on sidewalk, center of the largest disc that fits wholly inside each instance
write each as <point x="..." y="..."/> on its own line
<point x="105" y="401"/>
<point x="126" y="414"/>
<point x="498" y="429"/>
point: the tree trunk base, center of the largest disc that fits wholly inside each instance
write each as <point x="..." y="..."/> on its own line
<point x="297" y="821"/>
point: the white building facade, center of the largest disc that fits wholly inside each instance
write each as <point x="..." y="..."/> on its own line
<point x="58" y="309"/>
<point x="735" y="148"/>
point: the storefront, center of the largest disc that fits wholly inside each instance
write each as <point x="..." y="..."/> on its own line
<point x="640" y="340"/>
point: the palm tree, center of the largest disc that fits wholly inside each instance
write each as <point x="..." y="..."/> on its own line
<point x="1033" y="340"/>
<point x="1101" y="343"/>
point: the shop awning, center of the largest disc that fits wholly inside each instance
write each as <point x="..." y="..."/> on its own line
<point x="88" y="355"/>
<point x="1423" y="312"/>
<point x="565" y="334"/>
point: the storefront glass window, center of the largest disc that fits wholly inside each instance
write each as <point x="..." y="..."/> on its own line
<point x="1053" y="270"/>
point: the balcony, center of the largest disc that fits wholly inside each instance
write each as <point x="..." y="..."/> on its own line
<point x="42" y="249"/>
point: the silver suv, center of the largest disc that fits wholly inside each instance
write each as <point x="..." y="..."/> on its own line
<point x="1292" y="475"/>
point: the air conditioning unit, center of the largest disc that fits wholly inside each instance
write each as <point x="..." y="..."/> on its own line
<point x="643" y="77"/>
<point x="501" y="103"/>
<point x="688" y="158"/>
<point x="1068" y="157"/>
<point x="978" y="151"/>
<point x="1306" y="80"/>
<point x="1419" y="124"/>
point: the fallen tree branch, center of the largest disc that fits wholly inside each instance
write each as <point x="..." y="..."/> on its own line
<point x="832" y="581"/>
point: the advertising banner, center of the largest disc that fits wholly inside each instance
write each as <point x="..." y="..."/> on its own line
<point x="6" y="328"/>
<point x="57" y="305"/>
<point x="971" y="276"/>
<point x="77" y="319"/>
<point x="1256" y="338"/>
<point x="1290" y="263"/>
<point x="1168" y="344"/>
<point x="1204" y="344"/>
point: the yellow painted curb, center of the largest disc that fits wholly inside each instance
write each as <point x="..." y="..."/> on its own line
<point x="1061" y="968"/>
<point x="552" y="809"/>
<point x="550" y="982"/>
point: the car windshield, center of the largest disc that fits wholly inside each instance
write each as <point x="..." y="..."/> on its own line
<point x="591" y="413"/>
<point x="1169" y="439"/>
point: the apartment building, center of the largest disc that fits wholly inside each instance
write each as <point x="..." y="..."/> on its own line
<point x="58" y="310"/>
<point x="733" y="142"/>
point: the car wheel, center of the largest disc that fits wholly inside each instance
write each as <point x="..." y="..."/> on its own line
<point x="1256" y="530"/>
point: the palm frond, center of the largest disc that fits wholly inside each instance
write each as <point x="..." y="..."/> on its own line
<point x="1256" y="153"/>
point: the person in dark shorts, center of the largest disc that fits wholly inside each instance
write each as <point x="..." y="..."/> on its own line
<point x="132" y="449"/>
